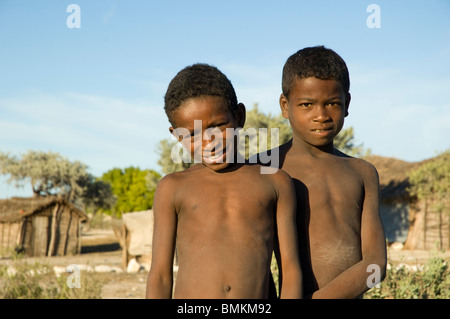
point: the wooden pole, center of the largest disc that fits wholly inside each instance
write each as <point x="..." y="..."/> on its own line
<point x="53" y="232"/>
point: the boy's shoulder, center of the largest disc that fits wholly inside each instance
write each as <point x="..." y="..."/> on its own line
<point x="275" y="176"/>
<point x="363" y="167"/>
<point x="176" y="178"/>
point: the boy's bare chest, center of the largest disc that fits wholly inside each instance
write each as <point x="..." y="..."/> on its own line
<point x="236" y="193"/>
<point x="327" y="186"/>
<point x="240" y="208"/>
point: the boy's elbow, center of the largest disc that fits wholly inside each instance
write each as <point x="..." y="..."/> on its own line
<point x="159" y="286"/>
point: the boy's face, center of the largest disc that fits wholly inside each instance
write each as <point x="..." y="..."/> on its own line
<point x="316" y="110"/>
<point x="207" y="138"/>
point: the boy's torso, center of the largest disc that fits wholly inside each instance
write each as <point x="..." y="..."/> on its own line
<point x="224" y="233"/>
<point x="330" y="195"/>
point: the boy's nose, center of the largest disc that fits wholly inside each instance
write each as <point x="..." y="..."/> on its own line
<point x="211" y="144"/>
<point x="321" y="115"/>
<point x="212" y="134"/>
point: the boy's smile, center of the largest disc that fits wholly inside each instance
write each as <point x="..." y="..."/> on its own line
<point x="205" y="120"/>
<point x="316" y="110"/>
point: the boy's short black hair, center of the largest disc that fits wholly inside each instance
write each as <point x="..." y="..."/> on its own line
<point x="198" y="80"/>
<point x="319" y="62"/>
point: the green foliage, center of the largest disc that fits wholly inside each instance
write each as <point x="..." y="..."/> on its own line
<point x="97" y="194"/>
<point x="49" y="173"/>
<point x="345" y="142"/>
<point x="130" y="187"/>
<point x="37" y="281"/>
<point x="432" y="282"/>
<point x="275" y="273"/>
<point x="252" y="142"/>
<point x="52" y="174"/>
<point x="432" y="179"/>
<point x="430" y="182"/>
<point x="165" y="161"/>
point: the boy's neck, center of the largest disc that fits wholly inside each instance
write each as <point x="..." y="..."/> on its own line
<point x="229" y="169"/>
<point x="298" y="145"/>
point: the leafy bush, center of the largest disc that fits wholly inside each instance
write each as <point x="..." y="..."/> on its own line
<point x="38" y="281"/>
<point x="402" y="282"/>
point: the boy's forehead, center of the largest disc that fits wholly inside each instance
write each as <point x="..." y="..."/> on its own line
<point x="212" y="100"/>
<point x="313" y="84"/>
<point x="200" y="108"/>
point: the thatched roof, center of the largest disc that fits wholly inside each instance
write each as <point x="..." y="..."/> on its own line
<point x="16" y="208"/>
<point x="393" y="175"/>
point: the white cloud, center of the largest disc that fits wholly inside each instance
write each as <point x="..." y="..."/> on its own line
<point x="103" y="132"/>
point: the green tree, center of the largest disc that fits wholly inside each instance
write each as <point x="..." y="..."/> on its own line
<point x="50" y="174"/>
<point x="430" y="182"/>
<point x="165" y="161"/>
<point x="345" y="142"/>
<point x="132" y="188"/>
<point x="97" y="195"/>
<point x="252" y="144"/>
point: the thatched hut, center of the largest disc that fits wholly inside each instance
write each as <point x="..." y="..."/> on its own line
<point x="40" y="226"/>
<point x="395" y="201"/>
<point x="403" y="215"/>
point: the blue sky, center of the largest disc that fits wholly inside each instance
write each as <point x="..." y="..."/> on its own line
<point x="95" y="93"/>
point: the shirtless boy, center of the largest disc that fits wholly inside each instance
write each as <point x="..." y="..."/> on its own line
<point x="224" y="216"/>
<point x="341" y="236"/>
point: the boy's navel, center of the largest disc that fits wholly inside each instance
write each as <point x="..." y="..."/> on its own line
<point x="227" y="288"/>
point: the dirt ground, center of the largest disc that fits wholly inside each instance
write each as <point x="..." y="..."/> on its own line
<point x="102" y="252"/>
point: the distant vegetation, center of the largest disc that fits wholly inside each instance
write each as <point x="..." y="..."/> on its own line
<point x="432" y="281"/>
<point x="23" y="280"/>
<point x="430" y="182"/>
<point x="132" y="187"/>
<point x="50" y="174"/>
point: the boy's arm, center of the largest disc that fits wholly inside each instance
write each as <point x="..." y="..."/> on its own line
<point x="160" y="278"/>
<point x="289" y="257"/>
<point x="353" y="282"/>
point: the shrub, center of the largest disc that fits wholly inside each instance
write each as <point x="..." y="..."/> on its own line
<point x="402" y="282"/>
<point x="38" y="281"/>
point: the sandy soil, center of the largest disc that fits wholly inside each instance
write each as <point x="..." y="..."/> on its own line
<point x="101" y="251"/>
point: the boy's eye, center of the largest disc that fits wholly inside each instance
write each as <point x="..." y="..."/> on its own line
<point x="190" y="135"/>
<point x="305" y="104"/>
<point x="334" y="104"/>
<point x="219" y="126"/>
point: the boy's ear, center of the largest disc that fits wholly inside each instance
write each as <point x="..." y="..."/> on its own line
<point x="241" y="114"/>
<point x="348" y="97"/>
<point x="178" y="137"/>
<point x="284" y="105"/>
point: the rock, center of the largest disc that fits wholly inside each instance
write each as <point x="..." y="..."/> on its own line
<point x="133" y="266"/>
<point x="396" y="246"/>
<point x="59" y="270"/>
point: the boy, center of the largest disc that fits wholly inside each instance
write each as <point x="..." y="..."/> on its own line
<point x="341" y="236"/>
<point x="225" y="217"/>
